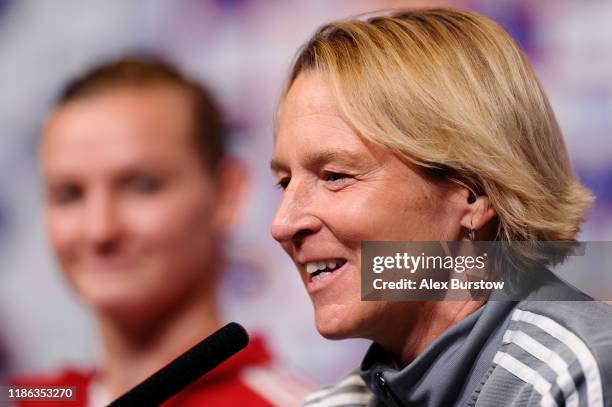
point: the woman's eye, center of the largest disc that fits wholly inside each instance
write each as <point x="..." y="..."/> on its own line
<point x="65" y="194"/>
<point x="283" y="183"/>
<point x="335" y="177"/>
<point x="144" y="184"/>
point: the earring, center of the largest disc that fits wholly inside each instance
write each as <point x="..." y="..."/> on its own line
<point x="472" y="232"/>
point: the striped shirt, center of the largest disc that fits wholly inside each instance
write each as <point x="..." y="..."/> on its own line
<point x="350" y="391"/>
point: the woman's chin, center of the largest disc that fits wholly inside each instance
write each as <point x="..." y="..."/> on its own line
<point x="116" y="306"/>
<point x="334" y="328"/>
<point x="122" y="305"/>
<point x="333" y="335"/>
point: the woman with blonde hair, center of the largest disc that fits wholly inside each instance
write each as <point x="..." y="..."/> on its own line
<point x="430" y="125"/>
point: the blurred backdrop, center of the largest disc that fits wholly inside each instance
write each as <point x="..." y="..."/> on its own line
<point x="241" y="49"/>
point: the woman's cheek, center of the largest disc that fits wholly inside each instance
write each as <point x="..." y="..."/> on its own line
<point x="151" y="217"/>
<point x="62" y="228"/>
<point x="169" y="227"/>
<point x="357" y="218"/>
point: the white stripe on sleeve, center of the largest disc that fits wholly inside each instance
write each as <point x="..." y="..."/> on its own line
<point x="587" y="361"/>
<point x="554" y="361"/>
<point x="528" y="375"/>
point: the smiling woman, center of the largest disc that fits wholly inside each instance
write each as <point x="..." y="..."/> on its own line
<point x="140" y="195"/>
<point x="126" y="219"/>
<point x="429" y="125"/>
<point x="340" y="189"/>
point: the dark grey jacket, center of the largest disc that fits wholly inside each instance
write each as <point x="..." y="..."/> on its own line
<point x="528" y="353"/>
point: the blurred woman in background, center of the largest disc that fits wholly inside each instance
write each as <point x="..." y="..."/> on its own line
<point x="430" y="125"/>
<point x="140" y="194"/>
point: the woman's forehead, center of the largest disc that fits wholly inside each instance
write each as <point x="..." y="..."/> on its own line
<point x="122" y="128"/>
<point x="310" y="93"/>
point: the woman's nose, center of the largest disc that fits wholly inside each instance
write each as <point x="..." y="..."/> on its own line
<point x="294" y="218"/>
<point x="102" y="224"/>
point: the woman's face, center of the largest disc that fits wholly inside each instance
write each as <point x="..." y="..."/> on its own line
<point x="339" y="190"/>
<point x="130" y="207"/>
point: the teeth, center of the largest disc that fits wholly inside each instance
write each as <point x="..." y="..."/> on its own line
<point x="311" y="267"/>
<point x="329" y="265"/>
<point x="321" y="275"/>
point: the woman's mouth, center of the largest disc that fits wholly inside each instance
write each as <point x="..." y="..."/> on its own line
<point x="319" y="271"/>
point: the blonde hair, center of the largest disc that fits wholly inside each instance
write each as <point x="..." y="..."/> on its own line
<point x="451" y="92"/>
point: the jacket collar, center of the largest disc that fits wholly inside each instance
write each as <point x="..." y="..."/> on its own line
<point x="450" y="367"/>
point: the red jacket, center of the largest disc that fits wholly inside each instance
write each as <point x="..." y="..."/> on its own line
<point x="248" y="378"/>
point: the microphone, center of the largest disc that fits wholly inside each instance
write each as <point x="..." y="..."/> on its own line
<point x="187" y="368"/>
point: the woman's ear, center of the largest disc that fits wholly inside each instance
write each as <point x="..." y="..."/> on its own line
<point x="230" y="185"/>
<point x="480" y="213"/>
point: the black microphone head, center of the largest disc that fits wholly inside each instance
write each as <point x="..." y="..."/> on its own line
<point x="187" y="368"/>
<point x="232" y="333"/>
